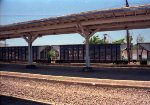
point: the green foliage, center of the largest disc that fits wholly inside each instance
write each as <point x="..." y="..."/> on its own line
<point x="53" y="53"/>
<point x="120" y="41"/>
<point x="95" y="40"/>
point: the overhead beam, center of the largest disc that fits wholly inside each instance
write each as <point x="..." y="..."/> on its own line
<point x="104" y="27"/>
<point x="83" y="23"/>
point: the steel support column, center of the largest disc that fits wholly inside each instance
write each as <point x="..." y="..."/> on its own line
<point x="87" y="56"/>
<point x="30" y="39"/>
<point x="86" y="33"/>
<point x="30" y="53"/>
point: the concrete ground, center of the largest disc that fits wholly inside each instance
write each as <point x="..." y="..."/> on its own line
<point x="125" y="78"/>
<point x="80" y="80"/>
<point x="33" y="89"/>
<point x="103" y="72"/>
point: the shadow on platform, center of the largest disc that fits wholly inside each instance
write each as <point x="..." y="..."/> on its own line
<point x="7" y="100"/>
<point x="128" y="73"/>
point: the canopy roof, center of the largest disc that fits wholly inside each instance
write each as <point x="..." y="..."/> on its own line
<point x="137" y="17"/>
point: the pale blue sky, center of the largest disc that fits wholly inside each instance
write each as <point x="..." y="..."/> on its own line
<point x="12" y="11"/>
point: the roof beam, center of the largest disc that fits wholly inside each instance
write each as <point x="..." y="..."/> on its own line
<point x="104" y="27"/>
<point x="83" y="23"/>
<point x="111" y="19"/>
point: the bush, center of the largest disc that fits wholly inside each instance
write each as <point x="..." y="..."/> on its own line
<point x="53" y="54"/>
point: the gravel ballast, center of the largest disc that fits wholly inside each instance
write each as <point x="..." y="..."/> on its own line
<point x="62" y="93"/>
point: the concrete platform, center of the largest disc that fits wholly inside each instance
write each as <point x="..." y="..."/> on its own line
<point x="81" y="81"/>
<point x="113" y="73"/>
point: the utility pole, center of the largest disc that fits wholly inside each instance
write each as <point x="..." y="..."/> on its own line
<point x="5" y="42"/>
<point x="137" y="41"/>
<point x="127" y="38"/>
<point x="127" y="4"/>
<point x="105" y="38"/>
<point x="128" y="45"/>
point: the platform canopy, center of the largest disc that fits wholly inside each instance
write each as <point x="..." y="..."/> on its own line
<point x="137" y="17"/>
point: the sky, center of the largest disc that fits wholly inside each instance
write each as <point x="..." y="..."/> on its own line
<point x="13" y="11"/>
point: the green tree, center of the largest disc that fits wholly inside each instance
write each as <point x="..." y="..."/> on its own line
<point x="120" y="41"/>
<point x="95" y="40"/>
<point x="53" y="53"/>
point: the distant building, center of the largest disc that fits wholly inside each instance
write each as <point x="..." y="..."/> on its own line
<point x="144" y="47"/>
<point x="143" y="51"/>
<point x="124" y="55"/>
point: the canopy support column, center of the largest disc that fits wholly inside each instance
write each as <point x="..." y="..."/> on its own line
<point x="86" y="33"/>
<point x="30" y="39"/>
<point x="87" y="57"/>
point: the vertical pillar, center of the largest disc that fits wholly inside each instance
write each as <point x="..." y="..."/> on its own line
<point x="30" y="39"/>
<point x="86" y="33"/>
<point x="87" y="58"/>
<point x="137" y="51"/>
<point x="128" y="46"/>
<point x="29" y="53"/>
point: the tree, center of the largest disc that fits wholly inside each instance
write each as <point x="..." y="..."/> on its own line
<point x="53" y="53"/>
<point x="95" y="40"/>
<point x="120" y="41"/>
<point x="140" y="39"/>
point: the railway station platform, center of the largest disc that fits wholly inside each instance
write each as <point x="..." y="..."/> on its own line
<point x="102" y="75"/>
<point x="131" y="80"/>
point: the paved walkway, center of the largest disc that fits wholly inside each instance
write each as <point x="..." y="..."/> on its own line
<point x="119" y="73"/>
<point x="126" y="77"/>
<point x="79" y="80"/>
